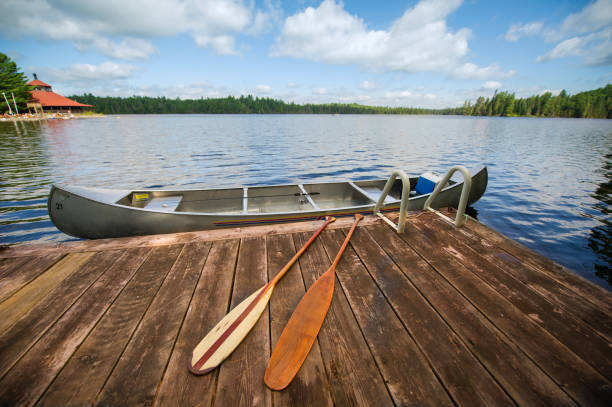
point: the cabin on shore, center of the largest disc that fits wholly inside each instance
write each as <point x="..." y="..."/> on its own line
<point x="44" y="100"/>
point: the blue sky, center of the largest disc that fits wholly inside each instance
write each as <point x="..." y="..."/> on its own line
<point x="429" y="53"/>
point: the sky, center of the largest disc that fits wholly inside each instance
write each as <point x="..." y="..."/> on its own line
<point x="427" y="53"/>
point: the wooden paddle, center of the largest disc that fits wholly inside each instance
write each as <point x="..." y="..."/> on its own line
<point x="303" y="326"/>
<point x="235" y="326"/>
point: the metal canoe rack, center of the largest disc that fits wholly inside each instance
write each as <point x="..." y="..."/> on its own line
<point x="401" y="224"/>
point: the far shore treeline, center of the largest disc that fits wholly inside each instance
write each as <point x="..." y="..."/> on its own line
<point x="591" y="104"/>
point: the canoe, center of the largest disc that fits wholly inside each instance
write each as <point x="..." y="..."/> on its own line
<point x="101" y="213"/>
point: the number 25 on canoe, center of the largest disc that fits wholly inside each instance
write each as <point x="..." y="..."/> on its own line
<point x="235" y="326"/>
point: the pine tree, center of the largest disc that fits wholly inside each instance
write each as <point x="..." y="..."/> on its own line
<point x="12" y="81"/>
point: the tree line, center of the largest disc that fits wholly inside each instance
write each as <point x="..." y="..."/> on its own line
<point x="591" y="104"/>
<point x="237" y="105"/>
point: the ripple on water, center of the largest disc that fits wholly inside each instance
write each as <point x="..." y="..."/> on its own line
<point x="549" y="180"/>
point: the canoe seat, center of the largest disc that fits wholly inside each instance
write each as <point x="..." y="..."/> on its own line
<point x="164" y="203"/>
<point x="372" y="193"/>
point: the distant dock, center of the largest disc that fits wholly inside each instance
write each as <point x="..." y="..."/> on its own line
<point x="47" y="116"/>
<point x="439" y="316"/>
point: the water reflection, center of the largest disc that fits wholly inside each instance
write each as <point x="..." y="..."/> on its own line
<point x="600" y="238"/>
<point x="24" y="181"/>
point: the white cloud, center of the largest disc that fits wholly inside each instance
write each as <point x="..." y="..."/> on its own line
<point x="129" y="48"/>
<point x="98" y="25"/>
<point x="523" y="30"/>
<point x="264" y="89"/>
<point x="87" y="72"/>
<point x="367" y="85"/>
<point x="354" y="99"/>
<point x="491" y="85"/>
<point x="593" y="17"/>
<point x="320" y="91"/>
<point x="292" y="85"/>
<point x="418" y="41"/>
<point x="398" y="94"/>
<point x="471" y="71"/>
<point x="266" y="20"/>
<point x="595" y="49"/>
<point x="586" y="34"/>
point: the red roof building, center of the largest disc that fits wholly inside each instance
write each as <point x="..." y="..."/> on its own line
<point x="44" y="98"/>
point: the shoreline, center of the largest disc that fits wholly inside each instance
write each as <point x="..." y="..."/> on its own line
<point x="49" y="116"/>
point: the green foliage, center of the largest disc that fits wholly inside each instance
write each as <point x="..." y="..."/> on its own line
<point x="11" y="80"/>
<point x="591" y="104"/>
<point x="240" y="105"/>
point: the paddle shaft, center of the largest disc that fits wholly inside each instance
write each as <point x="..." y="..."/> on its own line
<point x="299" y="334"/>
<point x="216" y="339"/>
<point x="284" y="270"/>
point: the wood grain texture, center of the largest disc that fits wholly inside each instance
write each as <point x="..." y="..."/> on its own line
<point x="352" y="374"/>
<point x="29" y="295"/>
<point x="310" y="386"/>
<point x="11" y="264"/>
<point x="549" y="354"/>
<point x="517" y="374"/>
<point x="484" y="261"/>
<point x="240" y="380"/>
<point x="407" y="374"/>
<point x="585" y="308"/>
<point x="174" y="238"/>
<point x="136" y="377"/>
<point x="31" y="375"/>
<point x="100" y="351"/>
<point x="22" y="273"/>
<point x="27" y="330"/>
<point x="210" y="301"/>
<point x="466" y="380"/>
<point x="585" y="289"/>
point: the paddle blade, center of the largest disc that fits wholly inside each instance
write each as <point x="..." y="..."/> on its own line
<point x="229" y="332"/>
<point x="300" y="332"/>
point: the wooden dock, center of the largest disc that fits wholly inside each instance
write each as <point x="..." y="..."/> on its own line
<point x="437" y="316"/>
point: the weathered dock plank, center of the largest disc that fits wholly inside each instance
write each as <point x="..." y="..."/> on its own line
<point x="484" y="261"/>
<point x="437" y="316"/>
<point x="209" y="303"/>
<point x="31" y="375"/>
<point x="449" y="357"/>
<point x="26" y="296"/>
<point x="31" y="326"/>
<point x="551" y="355"/>
<point x="146" y="355"/>
<point x="240" y="376"/>
<point x="347" y="359"/>
<point x="517" y="374"/>
<point x="310" y="385"/>
<point x="406" y="371"/>
<point x="588" y="291"/>
<point x="100" y="351"/>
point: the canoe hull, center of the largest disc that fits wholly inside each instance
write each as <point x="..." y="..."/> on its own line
<point x="93" y="213"/>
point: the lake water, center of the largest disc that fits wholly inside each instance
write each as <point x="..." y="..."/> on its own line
<point x="550" y="180"/>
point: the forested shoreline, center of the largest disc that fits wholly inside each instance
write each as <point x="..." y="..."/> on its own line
<point x="590" y="104"/>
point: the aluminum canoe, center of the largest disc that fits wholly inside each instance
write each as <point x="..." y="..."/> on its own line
<point x="102" y="213"/>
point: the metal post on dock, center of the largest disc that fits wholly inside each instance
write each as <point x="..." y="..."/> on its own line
<point x="13" y="95"/>
<point x="7" y="103"/>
